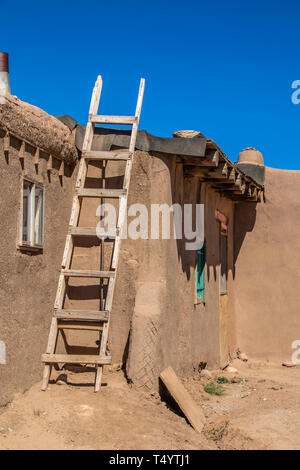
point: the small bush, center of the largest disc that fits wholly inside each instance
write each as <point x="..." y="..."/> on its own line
<point x="213" y="389"/>
<point x="216" y="432"/>
<point x="222" y="380"/>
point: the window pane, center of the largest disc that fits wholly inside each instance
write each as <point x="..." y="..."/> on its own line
<point x="38" y="216"/>
<point x="27" y="188"/>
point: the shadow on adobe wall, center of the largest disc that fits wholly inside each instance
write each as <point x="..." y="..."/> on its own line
<point x="244" y="221"/>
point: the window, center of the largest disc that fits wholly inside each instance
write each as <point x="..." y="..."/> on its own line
<point x="223" y="279"/>
<point x="201" y="274"/>
<point x="32" y="214"/>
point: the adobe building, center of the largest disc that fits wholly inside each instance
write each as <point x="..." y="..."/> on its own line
<point x="171" y="306"/>
<point x="38" y="157"/>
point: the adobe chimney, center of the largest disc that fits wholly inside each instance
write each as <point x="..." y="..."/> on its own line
<point x="251" y="163"/>
<point x="4" y="72"/>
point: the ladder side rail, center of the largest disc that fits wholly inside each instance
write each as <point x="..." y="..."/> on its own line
<point x="137" y="114"/>
<point x="127" y="175"/>
<point x="50" y="350"/>
<point x="122" y="215"/>
<point x="95" y="97"/>
<point x="82" y="171"/>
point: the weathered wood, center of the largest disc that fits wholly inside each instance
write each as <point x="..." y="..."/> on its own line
<point x="61" y="289"/>
<point x="211" y="157"/>
<point x="136" y="118"/>
<point x="98" y="378"/>
<point x="67" y="252"/>
<point x="50" y="349"/>
<point x="109" y="193"/>
<point x="198" y="161"/>
<point x="6" y="142"/>
<point x="82" y="314"/>
<point x="123" y="120"/>
<point x="89" y="319"/>
<point x="91" y="232"/>
<point x="75" y="359"/>
<point x="186" y="403"/>
<point x="79" y="325"/>
<point x="122" y="214"/>
<point x="208" y="172"/>
<point x="106" y="155"/>
<point x="75" y="211"/>
<point x="50" y="163"/>
<point x="86" y="273"/>
<point x="61" y="171"/>
<point x="94" y="105"/>
<point x="22" y="150"/>
<point x="37" y="156"/>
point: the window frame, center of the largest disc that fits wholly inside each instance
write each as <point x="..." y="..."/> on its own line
<point x="200" y="253"/>
<point x="31" y="244"/>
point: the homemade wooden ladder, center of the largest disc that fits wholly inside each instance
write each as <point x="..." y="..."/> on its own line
<point x="92" y="319"/>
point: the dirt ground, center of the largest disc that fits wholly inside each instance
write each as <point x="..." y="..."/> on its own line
<point x="259" y="409"/>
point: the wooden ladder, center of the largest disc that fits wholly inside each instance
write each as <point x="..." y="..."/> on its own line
<point x="89" y="319"/>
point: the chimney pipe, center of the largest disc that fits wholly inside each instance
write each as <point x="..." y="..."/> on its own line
<point x="4" y="72"/>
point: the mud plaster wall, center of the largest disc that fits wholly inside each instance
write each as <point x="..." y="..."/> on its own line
<point x="154" y="319"/>
<point x="167" y="328"/>
<point x="28" y="282"/>
<point x="267" y="269"/>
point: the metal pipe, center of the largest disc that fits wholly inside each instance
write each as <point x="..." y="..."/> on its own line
<point x="4" y="72"/>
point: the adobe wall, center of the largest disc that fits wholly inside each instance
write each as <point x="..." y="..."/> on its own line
<point x="167" y="328"/>
<point x="155" y="321"/>
<point x="267" y="269"/>
<point x="28" y="281"/>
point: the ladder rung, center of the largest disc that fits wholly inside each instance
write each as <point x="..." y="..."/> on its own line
<point x="74" y="359"/>
<point x="91" y="232"/>
<point x="79" y="325"/>
<point x="82" y="314"/>
<point x="124" y="120"/>
<point x="87" y="192"/>
<point x="74" y="273"/>
<point x="105" y="155"/>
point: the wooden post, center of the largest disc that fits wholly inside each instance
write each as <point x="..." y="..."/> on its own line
<point x="50" y="163"/>
<point x="6" y="142"/>
<point x="37" y="156"/>
<point x="22" y="151"/>
<point x="62" y="168"/>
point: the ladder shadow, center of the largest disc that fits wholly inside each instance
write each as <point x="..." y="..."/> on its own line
<point x="76" y="369"/>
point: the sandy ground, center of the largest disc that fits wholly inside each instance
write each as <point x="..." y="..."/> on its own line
<point x="259" y="410"/>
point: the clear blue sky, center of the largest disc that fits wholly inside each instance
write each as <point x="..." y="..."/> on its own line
<point x="222" y="67"/>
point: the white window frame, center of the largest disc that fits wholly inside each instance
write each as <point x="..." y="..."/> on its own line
<point x="30" y="244"/>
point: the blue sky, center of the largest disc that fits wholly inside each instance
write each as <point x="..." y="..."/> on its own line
<point x="224" y="68"/>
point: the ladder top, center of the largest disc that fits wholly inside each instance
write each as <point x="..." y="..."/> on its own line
<point x="123" y="120"/>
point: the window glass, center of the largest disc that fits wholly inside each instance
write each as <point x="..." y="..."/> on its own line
<point x="32" y="216"/>
<point x="27" y="188"/>
<point x="38" y="216"/>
